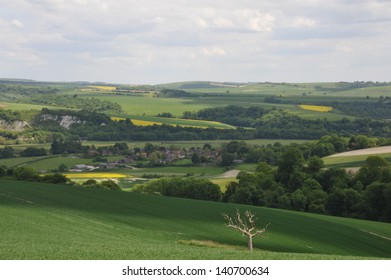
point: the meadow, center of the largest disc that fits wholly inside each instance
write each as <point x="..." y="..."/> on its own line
<point x="43" y="221"/>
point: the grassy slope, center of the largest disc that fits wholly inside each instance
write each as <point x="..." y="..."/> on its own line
<point x="41" y="221"/>
<point x="351" y="161"/>
<point x="356" y="158"/>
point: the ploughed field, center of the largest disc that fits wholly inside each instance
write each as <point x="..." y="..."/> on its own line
<point x="43" y="221"/>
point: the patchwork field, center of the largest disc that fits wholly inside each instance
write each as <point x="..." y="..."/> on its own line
<point x="42" y="221"/>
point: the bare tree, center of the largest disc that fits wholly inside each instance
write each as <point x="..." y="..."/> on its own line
<point x="245" y="225"/>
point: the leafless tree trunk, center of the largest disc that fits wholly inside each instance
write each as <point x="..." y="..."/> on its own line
<point x="245" y="225"/>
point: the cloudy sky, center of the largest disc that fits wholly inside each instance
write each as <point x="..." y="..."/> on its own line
<point x="157" y="41"/>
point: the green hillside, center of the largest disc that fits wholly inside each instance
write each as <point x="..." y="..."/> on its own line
<point x="40" y="221"/>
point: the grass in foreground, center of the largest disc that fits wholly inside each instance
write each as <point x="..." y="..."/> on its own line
<point x="42" y="221"/>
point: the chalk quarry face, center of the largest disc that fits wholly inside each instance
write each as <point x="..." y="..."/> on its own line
<point x="65" y="121"/>
<point x="14" y="125"/>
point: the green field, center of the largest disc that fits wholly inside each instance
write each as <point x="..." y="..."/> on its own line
<point x="23" y="106"/>
<point x="151" y="106"/>
<point x="146" y="105"/>
<point x="351" y="161"/>
<point x="177" y="121"/>
<point x="48" y="162"/>
<point x="308" y="90"/>
<point x="42" y="221"/>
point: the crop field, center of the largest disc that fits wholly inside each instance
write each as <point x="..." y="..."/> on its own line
<point x="103" y="88"/>
<point x="149" y="121"/>
<point x="311" y="115"/>
<point x="151" y="106"/>
<point x="256" y="88"/>
<point x="315" y="108"/>
<point x="42" y="221"/>
<point x="95" y="175"/>
<point x="147" y="106"/>
<point x="259" y="101"/>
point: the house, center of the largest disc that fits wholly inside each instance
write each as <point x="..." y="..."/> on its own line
<point x="81" y="167"/>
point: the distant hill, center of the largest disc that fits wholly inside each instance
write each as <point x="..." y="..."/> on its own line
<point x="42" y="221"/>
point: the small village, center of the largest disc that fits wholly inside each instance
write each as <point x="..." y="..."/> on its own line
<point x="150" y="155"/>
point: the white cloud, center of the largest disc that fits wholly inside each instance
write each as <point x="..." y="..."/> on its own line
<point x="153" y="40"/>
<point x="256" y="20"/>
<point x="303" y="22"/>
<point x="17" y="23"/>
<point x="213" y="51"/>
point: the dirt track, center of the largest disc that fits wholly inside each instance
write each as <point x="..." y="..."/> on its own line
<point x="370" y="151"/>
<point x="230" y="174"/>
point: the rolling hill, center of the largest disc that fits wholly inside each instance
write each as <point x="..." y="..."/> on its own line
<point x="43" y="221"/>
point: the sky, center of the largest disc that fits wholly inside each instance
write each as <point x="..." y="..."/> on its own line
<point x="157" y="41"/>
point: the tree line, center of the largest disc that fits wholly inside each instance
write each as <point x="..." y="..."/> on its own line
<point x="278" y="125"/>
<point x="24" y="173"/>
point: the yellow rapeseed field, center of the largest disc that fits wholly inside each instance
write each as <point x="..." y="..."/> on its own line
<point x="137" y="122"/>
<point x="316" y="108"/>
<point x="95" y="175"/>
<point x="105" y="88"/>
<point x="150" y="123"/>
<point x="145" y="123"/>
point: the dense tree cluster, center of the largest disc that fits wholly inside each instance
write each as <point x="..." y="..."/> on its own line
<point x="376" y="110"/>
<point x="23" y="173"/>
<point x="74" y="102"/>
<point x="106" y="185"/>
<point x="303" y="185"/>
<point x="8" y="92"/>
<point x="173" y="93"/>
<point x="182" y="187"/>
<point x="325" y="146"/>
<point x="232" y="114"/>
